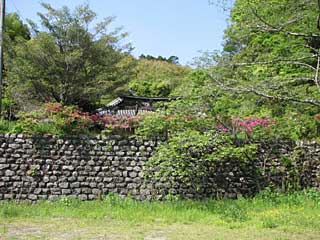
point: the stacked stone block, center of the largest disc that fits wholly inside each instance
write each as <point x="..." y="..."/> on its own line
<point x="90" y="167"/>
<point x="47" y="167"/>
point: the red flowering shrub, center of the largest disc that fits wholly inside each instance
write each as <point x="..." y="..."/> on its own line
<point x="69" y="118"/>
<point x="54" y="118"/>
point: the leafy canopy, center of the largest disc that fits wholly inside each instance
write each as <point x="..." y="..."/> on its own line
<point x="72" y="61"/>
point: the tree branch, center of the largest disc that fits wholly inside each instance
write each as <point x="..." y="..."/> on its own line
<point x="316" y="77"/>
<point x="271" y="28"/>
<point x="318" y="22"/>
<point x="289" y="61"/>
<point x="266" y="95"/>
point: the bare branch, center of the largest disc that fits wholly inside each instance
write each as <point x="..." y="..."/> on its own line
<point x="316" y="78"/>
<point x="303" y="80"/>
<point x="318" y="22"/>
<point x="271" y="28"/>
<point x="266" y="95"/>
<point x="285" y="82"/>
<point x="287" y="61"/>
<point x="306" y="46"/>
<point x="295" y="34"/>
<point x="278" y="28"/>
<point x="273" y="97"/>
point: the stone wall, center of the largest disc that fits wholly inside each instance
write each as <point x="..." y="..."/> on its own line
<point x="48" y="167"/>
<point x="86" y="167"/>
<point x="284" y="166"/>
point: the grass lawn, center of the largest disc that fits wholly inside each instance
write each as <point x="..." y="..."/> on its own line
<point x="267" y="216"/>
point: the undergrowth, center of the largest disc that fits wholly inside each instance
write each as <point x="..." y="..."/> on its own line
<point x="297" y="210"/>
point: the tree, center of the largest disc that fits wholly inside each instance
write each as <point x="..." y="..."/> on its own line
<point x="15" y="32"/>
<point x="273" y="49"/>
<point x="15" y="28"/>
<point x="73" y="61"/>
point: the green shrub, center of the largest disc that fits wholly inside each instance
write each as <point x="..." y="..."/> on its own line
<point x="189" y="156"/>
<point x="153" y="125"/>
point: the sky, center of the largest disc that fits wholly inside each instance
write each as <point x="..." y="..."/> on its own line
<point x="156" y="27"/>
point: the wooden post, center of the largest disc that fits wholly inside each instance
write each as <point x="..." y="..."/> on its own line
<point x="2" y="28"/>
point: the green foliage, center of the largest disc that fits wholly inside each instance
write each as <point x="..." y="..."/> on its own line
<point x="153" y="125"/>
<point x="156" y="78"/>
<point x="34" y="171"/>
<point x="6" y="126"/>
<point x="15" y="28"/>
<point x="181" y="157"/>
<point x="188" y="157"/>
<point x="270" y="49"/>
<point x="55" y="119"/>
<point x="267" y="68"/>
<point x="295" y="127"/>
<point x="171" y="59"/>
<point x="167" y="124"/>
<point x="68" y="63"/>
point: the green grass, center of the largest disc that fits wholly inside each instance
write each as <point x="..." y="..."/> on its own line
<point x="6" y="126"/>
<point x="267" y="216"/>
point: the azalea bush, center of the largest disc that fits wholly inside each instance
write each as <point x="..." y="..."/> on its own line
<point x="291" y="127"/>
<point x="115" y="124"/>
<point x="250" y="129"/>
<point x="248" y="125"/>
<point x="57" y="119"/>
<point x="54" y="118"/>
<point x="70" y="119"/>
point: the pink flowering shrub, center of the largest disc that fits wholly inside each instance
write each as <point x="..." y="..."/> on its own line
<point x="54" y="118"/>
<point x="57" y="119"/>
<point x="69" y="118"/>
<point x="115" y="123"/>
<point x="246" y="125"/>
<point x="76" y="119"/>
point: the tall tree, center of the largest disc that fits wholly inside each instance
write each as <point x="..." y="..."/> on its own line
<point x="73" y="61"/>
<point x="15" y="28"/>
<point x="273" y="49"/>
<point x="16" y="32"/>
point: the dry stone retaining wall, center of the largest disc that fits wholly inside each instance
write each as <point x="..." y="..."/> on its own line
<point x="85" y="167"/>
<point x="89" y="167"/>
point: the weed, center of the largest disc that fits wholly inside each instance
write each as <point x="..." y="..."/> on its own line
<point x="297" y="210"/>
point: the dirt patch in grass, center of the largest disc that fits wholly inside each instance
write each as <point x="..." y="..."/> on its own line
<point x="265" y="217"/>
<point x="73" y="229"/>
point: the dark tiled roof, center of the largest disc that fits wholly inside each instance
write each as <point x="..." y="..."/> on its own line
<point x="148" y="99"/>
<point x="135" y="105"/>
<point x="115" y="102"/>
